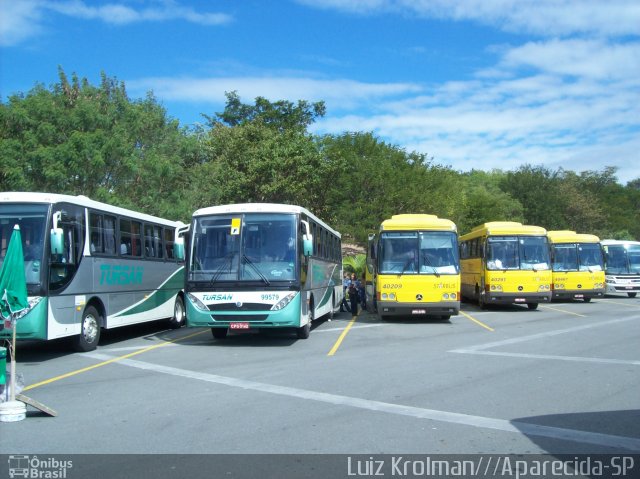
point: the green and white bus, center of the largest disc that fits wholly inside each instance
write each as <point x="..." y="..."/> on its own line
<point x="90" y="265"/>
<point x="260" y="266"/>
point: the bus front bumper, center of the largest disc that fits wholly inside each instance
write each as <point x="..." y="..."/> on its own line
<point x="517" y="298"/>
<point x="577" y="293"/>
<point x="441" y="308"/>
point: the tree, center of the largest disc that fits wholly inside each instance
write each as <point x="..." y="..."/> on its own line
<point x="282" y="115"/>
<point x="76" y="138"/>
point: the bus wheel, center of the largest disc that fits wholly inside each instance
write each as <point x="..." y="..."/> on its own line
<point x="303" y="331"/>
<point x="178" y="314"/>
<point x="219" y="333"/>
<point x="586" y="300"/>
<point x="333" y="307"/>
<point x="481" y="302"/>
<point x="532" y="305"/>
<point x="89" y="335"/>
<point x="632" y="295"/>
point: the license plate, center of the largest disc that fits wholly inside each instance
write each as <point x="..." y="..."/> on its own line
<point x="239" y="326"/>
<point x="578" y="296"/>
<point x="628" y="287"/>
<point x="418" y="311"/>
<point x="521" y="300"/>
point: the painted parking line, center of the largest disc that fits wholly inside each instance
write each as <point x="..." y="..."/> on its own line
<point x="563" y="311"/>
<point x="631" y="305"/>
<point x="342" y="336"/>
<point x="111" y="360"/>
<point x="482" y="349"/>
<point x="518" y="427"/>
<point x="479" y="323"/>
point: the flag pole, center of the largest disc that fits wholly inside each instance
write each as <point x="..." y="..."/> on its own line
<point x="12" y="384"/>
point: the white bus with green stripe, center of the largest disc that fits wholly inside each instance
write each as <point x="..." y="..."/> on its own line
<point x="261" y="266"/>
<point x="91" y="266"/>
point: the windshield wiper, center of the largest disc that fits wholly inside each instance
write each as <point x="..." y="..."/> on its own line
<point x="246" y="259"/>
<point x="430" y="264"/>
<point x="228" y="259"/>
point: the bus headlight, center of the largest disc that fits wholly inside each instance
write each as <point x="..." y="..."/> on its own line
<point x="385" y="296"/>
<point x="545" y="287"/>
<point x="558" y="286"/>
<point x="197" y="303"/>
<point x="496" y="287"/>
<point x="392" y="296"/>
<point x="283" y="302"/>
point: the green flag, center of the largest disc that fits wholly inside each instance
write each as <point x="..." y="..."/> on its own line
<point x="13" y="285"/>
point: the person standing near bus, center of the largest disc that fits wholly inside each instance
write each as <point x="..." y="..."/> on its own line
<point x="344" y="305"/>
<point x="362" y="293"/>
<point x="354" y="296"/>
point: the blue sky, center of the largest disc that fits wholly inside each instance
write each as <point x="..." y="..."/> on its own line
<point x="472" y="83"/>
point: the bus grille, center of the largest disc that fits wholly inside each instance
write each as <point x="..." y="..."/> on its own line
<point x="243" y="307"/>
<point x="232" y="318"/>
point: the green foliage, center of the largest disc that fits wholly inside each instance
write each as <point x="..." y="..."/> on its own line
<point x="77" y="138"/>
<point x="355" y="264"/>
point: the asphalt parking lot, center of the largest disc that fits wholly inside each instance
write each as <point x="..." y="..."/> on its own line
<point x="560" y="380"/>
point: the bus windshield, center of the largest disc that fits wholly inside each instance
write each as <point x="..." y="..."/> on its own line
<point x="32" y="220"/>
<point x="623" y="259"/>
<point x="577" y="257"/>
<point x="517" y="252"/>
<point x="244" y="247"/>
<point x="424" y="252"/>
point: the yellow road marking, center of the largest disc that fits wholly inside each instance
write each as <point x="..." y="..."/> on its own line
<point x="564" y="311"/>
<point x="480" y="323"/>
<point x="342" y="336"/>
<point x="104" y="363"/>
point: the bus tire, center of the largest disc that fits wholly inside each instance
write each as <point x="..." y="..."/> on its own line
<point x="219" y="333"/>
<point x="303" y="331"/>
<point x="631" y="295"/>
<point x="179" y="316"/>
<point x="89" y="335"/>
<point x="332" y="312"/>
<point x="532" y="306"/>
<point x="445" y="317"/>
<point x="587" y="300"/>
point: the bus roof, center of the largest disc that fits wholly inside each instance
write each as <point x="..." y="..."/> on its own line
<point x="80" y="200"/>
<point x="417" y="222"/>
<point x="261" y="208"/>
<point x="567" y="236"/>
<point x="494" y="228"/>
<point x="612" y="242"/>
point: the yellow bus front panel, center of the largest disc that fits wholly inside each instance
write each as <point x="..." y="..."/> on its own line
<point x="418" y="295"/>
<point x="578" y="285"/>
<point x="525" y="287"/>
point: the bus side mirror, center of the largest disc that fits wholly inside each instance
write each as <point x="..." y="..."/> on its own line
<point x="57" y="235"/>
<point x="57" y="241"/>
<point x="307" y="245"/>
<point x="178" y="249"/>
<point x="307" y="239"/>
<point x="372" y="246"/>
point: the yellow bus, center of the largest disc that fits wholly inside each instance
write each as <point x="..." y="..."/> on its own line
<point x="504" y="262"/>
<point x="577" y="266"/>
<point x="416" y="268"/>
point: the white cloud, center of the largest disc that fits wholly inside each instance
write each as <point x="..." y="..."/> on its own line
<point x="18" y="21"/>
<point x="339" y="93"/>
<point x="22" y="19"/>
<point x="118" y="13"/>
<point x="543" y="17"/>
